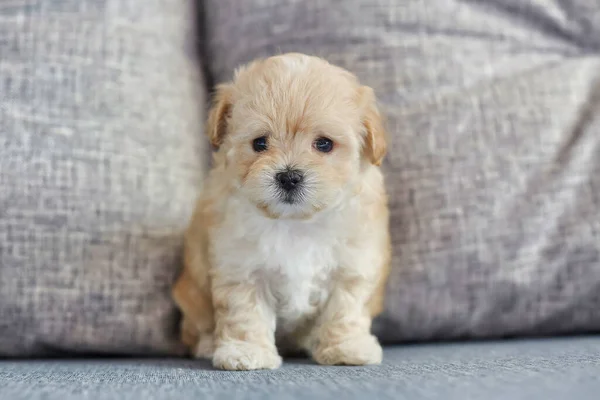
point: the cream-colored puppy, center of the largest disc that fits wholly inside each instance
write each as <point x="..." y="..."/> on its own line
<point x="289" y="245"/>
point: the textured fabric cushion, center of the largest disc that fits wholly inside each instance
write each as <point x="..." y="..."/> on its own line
<point x="494" y="168"/>
<point x="99" y="168"/>
<point x="550" y="370"/>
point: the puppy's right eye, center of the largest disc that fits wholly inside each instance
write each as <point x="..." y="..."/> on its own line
<point x="260" y="144"/>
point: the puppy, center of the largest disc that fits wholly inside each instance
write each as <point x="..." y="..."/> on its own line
<point x="289" y="245"/>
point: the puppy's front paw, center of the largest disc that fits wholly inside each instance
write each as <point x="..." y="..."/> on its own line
<point x="244" y="356"/>
<point x="357" y="350"/>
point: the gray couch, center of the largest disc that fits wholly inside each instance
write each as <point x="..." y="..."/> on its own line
<point x="493" y="173"/>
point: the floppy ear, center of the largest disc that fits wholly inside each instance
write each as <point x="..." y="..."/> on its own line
<point x="216" y="126"/>
<point x="375" y="141"/>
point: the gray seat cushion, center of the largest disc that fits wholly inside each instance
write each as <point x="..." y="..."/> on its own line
<point x="494" y="169"/>
<point x="100" y="163"/>
<point x="543" y="369"/>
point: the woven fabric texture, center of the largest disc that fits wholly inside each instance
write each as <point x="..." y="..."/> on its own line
<point x="493" y="172"/>
<point x="554" y="369"/>
<point x="100" y="162"/>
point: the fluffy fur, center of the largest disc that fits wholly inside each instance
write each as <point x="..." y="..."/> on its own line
<point x="262" y="273"/>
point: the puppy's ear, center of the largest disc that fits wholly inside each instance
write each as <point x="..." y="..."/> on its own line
<point x="216" y="126"/>
<point x="375" y="141"/>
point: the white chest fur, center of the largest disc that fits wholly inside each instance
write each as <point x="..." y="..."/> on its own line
<point x="290" y="261"/>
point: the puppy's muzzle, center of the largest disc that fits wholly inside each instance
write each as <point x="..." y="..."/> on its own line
<point x="289" y="180"/>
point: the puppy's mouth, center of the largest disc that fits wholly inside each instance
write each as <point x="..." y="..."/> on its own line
<point x="290" y="204"/>
<point x="291" y="198"/>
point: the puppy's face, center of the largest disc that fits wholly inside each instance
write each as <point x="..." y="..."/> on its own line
<point x="294" y="132"/>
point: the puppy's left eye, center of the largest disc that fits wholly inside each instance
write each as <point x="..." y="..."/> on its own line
<point x="324" y="145"/>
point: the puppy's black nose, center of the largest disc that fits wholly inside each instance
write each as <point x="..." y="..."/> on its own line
<point x="289" y="179"/>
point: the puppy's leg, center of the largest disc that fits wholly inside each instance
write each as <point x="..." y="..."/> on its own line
<point x="197" y="321"/>
<point x="342" y="335"/>
<point x="245" y="328"/>
<point x="199" y="341"/>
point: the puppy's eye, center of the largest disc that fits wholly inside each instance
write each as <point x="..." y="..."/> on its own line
<point x="260" y="144"/>
<point x="323" y="145"/>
